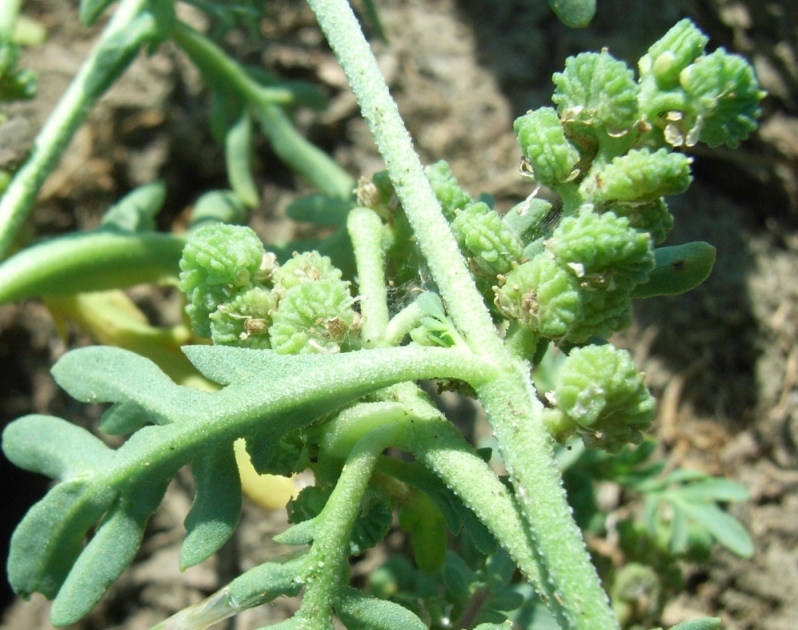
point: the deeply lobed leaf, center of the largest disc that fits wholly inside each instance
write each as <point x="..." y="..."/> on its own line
<point x="120" y="489"/>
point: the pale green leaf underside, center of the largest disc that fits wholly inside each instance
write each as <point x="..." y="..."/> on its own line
<point x="361" y="612"/>
<point x="216" y="508"/>
<point x="263" y="388"/>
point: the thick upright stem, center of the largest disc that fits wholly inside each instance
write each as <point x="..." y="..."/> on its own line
<point x="127" y="31"/>
<point x="407" y="175"/>
<point x="569" y="579"/>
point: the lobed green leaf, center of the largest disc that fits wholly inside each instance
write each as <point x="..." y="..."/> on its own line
<point x="47" y="546"/>
<point x="48" y="541"/>
<point x="714" y="489"/>
<point x="109" y="552"/>
<point x="54" y="447"/>
<point x="145" y="393"/>
<point x="216" y="509"/>
<point x="726" y="529"/>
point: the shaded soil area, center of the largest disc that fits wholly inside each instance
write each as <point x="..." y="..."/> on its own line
<point x="723" y="359"/>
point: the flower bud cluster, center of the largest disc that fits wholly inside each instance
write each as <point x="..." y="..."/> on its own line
<point x="448" y="192"/>
<point x="610" y="140"/>
<point x="599" y="395"/>
<point x="693" y="97"/>
<point x="239" y="295"/>
<point x="579" y="286"/>
<point x="486" y="240"/>
<point x="607" y="152"/>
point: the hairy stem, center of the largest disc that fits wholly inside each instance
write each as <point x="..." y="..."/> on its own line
<point x="367" y="233"/>
<point x="402" y="323"/>
<point x="329" y="568"/>
<point x="570" y="582"/>
<point x="407" y="174"/>
<point x="125" y="34"/>
<point x="568" y="579"/>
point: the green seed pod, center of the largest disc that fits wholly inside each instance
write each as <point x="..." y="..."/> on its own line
<point x="603" y="313"/>
<point x="724" y="98"/>
<point x="305" y="267"/>
<point x="601" y="391"/>
<point x="642" y="175"/>
<point x="603" y="250"/>
<point x="486" y="239"/>
<point x="218" y="260"/>
<point x="545" y="146"/>
<point x="447" y="190"/>
<point x="671" y="54"/>
<point x="542" y="295"/>
<point x="648" y="216"/>
<point x="597" y="88"/>
<point x="243" y="321"/>
<point x="313" y="317"/>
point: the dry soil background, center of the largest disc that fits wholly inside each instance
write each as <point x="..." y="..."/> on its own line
<point x="723" y="360"/>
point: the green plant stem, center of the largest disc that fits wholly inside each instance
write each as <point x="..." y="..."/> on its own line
<point x="330" y="549"/>
<point x="423" y="210"/>
<point x="570" y="581"/>
<point x="423" y="431"/>
<point x="438" y="445"/>
<point x="89" y="261"/>
<point x="402" y="323"/>
<point x="302" y="156"/>
<point x="359" y="373"/>
<point x="127" y="31"/>
<point x="367" y="234"/>
<point x="209" y="56"/>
